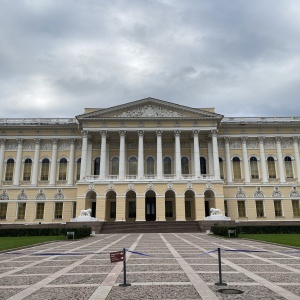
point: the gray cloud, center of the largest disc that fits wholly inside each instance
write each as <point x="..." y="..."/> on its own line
<point x="57" y="57"/>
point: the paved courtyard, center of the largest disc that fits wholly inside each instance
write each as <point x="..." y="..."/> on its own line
<point x="175" y="269"/>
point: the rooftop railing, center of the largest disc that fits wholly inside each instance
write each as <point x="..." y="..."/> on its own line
<point x="37" y="121"/>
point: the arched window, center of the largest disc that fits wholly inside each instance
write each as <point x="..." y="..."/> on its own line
<point x="236" y="163"/>
<point x="97" y="166"/>
<point x="202" y="165"/>
<point x="9" y="170"/>
<point x="271" y="167"/>
<point x="288" y="167"/>
<point x="253" y="167"/>
<point x="167" y="166"/>
<point x="62" y="174"/>
<point x="132" y="166"/>
<point x="78" y="168"/>
<point x="27" y="169"/>
<point x="150" y="166"/>
<point x="221" y="166"/>
<point x="115" y="166"/>
<point x="185" y="166"/>
<point x="45" y="169"/>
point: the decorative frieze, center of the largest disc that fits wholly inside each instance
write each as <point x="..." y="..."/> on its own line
<point x="4" y="196"/>
<point x="149" y="111"/>
<point x="287" y="144"/>
<point x="269" y="144"/>
<point x="252" y="144"/>
<point x="59" y="195"/>
<point x="22" y="195"/>
<point x="235" y="145"/>
<point x="29" y="146"/>
<point x="41" y="195"/>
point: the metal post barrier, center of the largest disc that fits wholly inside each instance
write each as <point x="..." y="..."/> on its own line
<point x="220" y="283"/>
<point x="124" y="284"/>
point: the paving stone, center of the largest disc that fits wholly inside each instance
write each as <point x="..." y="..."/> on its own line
<point x="6" y="293"/>
<point x="249" y="293"/>
<point x="226" y="277"/>
<point x="62" y="293"/>
<point x="50" y="263"/>
<point x="79" y="279"/>
<point x="155" y="268"/>
<point x="212" y="268"/>
<point x="153" y="292"/>
<point x="4" y="270"/>
<point x="20" y="280"/>
<point x="282" y="278"/>
<point x="39" y="270"/>
<point x="293" y="288"/>
<point x="264" y="268"/>
<point x="154" y="277"/>
<point x="92" y="269"/>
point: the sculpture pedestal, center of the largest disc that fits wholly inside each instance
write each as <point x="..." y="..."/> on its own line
<point x="84" y="219"/>
<point x="217" y="218"/>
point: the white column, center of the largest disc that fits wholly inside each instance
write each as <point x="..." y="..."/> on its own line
<point x="53" y="162"/>
<point x="210" y="158"/>
<point x="280" y="159"/>
<point x="18" y="162"/>
<point x="159" y="160"/>
<point x="84" y="150"/>
<point x="215" y="154"/>
<point x="141" y="155"/>
<point x="71" y="162"/>
<point x="245" y="159"/>
<point x="228" y="161"/>
<point x="297" y="159"/>
<point x="263" y="159"/>
<point x="177" y="154"/>
<point x="196" y="154"/>
<point x="2" y="152"/>
<point x="122" y="155"/>
<point x="36" y="162"/>
<point x="103" y="155"/>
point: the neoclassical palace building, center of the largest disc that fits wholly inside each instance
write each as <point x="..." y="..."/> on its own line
<point x="149" y="160"/>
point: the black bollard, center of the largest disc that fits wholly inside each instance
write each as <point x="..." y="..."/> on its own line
<point x="220" y="283"/>
<point x="124" y="284"/>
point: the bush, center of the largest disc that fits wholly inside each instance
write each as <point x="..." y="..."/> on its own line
<point x="80" y="232"/>
<point x="223" y="230"/>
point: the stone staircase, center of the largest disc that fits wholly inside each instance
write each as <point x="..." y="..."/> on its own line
<point x="150" y="227"/>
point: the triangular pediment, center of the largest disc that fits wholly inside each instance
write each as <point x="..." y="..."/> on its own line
<point x="150" y="108"/>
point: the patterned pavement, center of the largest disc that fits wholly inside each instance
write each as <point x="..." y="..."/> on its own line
<point x="176" y="268"/>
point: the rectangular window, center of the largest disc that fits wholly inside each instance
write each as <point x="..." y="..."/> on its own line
<point x="21" y="211"/>
<point x="169" y="209"/>
<point x="9" y="172"/>
<point x="58" y="210"/>
<point x="74" y="209"/>
<point x="27" y="172"/>
<point x="259" y="208"/>
<point x="78" y="166"/>
<point x="3" y="210"/>
<point x="296" y="208"/>
<point x="278" y="208"/>
<point x="112" y="210"/>
<point x="40" y="211"/>
<point x="62" y="172"/>
<point x="226" y="208"/>
<point x="188" y="209"/>
<point x="241" y="209"/>
<point x="45" y="172"/>
<point x="131" y="209"/>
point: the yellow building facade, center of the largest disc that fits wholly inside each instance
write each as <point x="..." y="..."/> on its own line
<point x="149" y="160"/>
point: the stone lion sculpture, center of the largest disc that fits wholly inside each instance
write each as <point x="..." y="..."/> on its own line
<point x="215" y="211"/>
<point x="86" y="212"/>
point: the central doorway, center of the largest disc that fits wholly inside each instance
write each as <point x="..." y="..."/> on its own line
<point x="150" y="207"/>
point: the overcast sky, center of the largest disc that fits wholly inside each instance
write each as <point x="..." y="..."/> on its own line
<point x="58" y="57"/>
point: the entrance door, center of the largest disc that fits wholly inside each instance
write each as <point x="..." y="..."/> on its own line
<point x="150" y="209"/>
<point x="207" y="213"/>
<point x="93" y="214"/>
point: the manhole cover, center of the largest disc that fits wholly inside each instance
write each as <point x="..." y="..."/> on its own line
<point x="230" y="291"/>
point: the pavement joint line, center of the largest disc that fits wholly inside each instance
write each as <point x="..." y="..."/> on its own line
<point x="33" y="288"/>
<point x="203" y="290"/>
<point x="107" y="284"/>
<point x="262" y="281"/>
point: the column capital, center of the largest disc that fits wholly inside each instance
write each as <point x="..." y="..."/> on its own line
<point x="278" y="139"/>
<point x="85" y="133"/>
<point x="261" y="139"/>
<point x="122" y="132"/>
<point x="54" y="141"/>
<point x="37" y="141"/>
<point x="159" y="132"/>
<point x="295" y="139"/>
<point x="140" y="132"/>
<point x="196" y="132"/>
<point x="244" y="139"/>
<point x="214" y="132"/>
<point x="177" y="132"/>
<point x="103" y="133"/>
<point x="2" y="141"/>
<point x="72" y="141"/>
<point x="227" y="139"/>
<point x="20" y="141"/>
